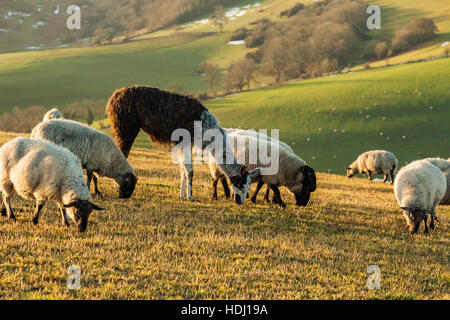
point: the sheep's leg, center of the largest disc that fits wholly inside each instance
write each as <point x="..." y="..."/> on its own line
<point x="266" y="196"/>
<point x="9" y="210"/>
<point x="392" y="175"/>
<point x="425" y="221"/>
<point x="226" y="189"/>
<point x="386" y="176"/>
<point x="64" y="216"/>
<point x="39" y="206"/>
<point x="276" y="191"/>
<point x="94" y="177"/>
<point x="258" y="187"/>
<point x="89" y="178"/>
<point x="215" y="180"/>
<point x="432" y="222"/>
<point x="3" y="209"/>
<point x="370" y="175"/>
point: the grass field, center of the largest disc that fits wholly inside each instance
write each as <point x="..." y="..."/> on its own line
<point x="156" y="246"/>
<point x="404" y="109"/>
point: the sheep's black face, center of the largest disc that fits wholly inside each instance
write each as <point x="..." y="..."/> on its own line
<point x="414" y="218"/>
<point x="302" y="198"/>
<point x="79" y="211"/>
<point x="125" y="185"/>
<point x="241" y="184"/>
<point x="309" y="178"/>
<point x="351" y="172"/>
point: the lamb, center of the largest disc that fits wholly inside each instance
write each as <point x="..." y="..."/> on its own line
<point x="53" y="114"/>
<point x="97" y="151"/>
<point x="293" y="172"/>
<point x="42" y="171"/>
<point x="255" y="134"/>
<point x="161" y="114"/>
<point x="419" y="188"/>
<point x="444" y="166"/>
<point x="374" y="162"/>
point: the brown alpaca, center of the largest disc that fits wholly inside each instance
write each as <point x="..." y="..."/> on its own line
<point x="159" y="113"/>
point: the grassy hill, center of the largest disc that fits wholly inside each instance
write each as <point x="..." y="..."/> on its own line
<point x="156" y="246"/>
<point x="404" y="109"/>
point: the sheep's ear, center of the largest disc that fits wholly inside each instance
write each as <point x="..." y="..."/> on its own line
<point x="96" y="207"/>
<point x="254" y="173"/>
<point x="243" y="171"/>
<point x="409" y="209"/>
<point x="72" y="204"/>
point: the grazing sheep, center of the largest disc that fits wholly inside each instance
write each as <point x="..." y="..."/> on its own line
<point x="293" y="172"/>
<point x="374" y="162"/>
<point x="160" y="113"/>
<point x="419" y="188"/>
<point x="42" y="171"/>
<point x="444" y="166"/>
<point x="53" y="114"/>
<point x="97" y="151"/>
<point x="259" y="135"/>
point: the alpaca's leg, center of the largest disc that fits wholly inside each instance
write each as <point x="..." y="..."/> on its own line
<point x="226" y="188"/>
<point x="190" y="176"/>
<point x="258" y="187"/>
<point x="182" y="181"/>
<point x="39" y="206"/>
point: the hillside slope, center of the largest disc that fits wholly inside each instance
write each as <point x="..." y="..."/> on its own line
<point x="404" y="109"/>
<point x="156" y="246"/>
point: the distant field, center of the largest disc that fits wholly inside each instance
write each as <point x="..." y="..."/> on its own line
<point x="413" y="99"/>
<point x="156" y="246"/>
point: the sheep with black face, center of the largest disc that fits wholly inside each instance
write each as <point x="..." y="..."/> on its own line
<point x="419" y="188"/>
<point x="96" y="150"/>
<point x="293" y="172"/>
<point x="42" y="171"/>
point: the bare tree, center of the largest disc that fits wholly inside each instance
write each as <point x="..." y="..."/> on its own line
<point x="239" y="75"/>
<point x="212" y="74"/>
<point x="220" y="17"/>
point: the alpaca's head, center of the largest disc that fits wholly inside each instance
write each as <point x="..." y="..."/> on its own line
<point x="242" y="182"/>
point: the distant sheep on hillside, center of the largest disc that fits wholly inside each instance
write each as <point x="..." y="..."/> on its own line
<point x="374" y="162"/>
<point x="160" y="113"/>
<point x="53" y="114"/>
<point x="96" y="150"/>
<point x="419" y="188"/>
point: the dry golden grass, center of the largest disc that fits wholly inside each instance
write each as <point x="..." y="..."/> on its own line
<point x="157" y="246"/>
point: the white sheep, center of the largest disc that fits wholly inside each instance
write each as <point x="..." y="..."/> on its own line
<point x="53" y="114"/>
<point x="374" y="162"/>
<point x="444" y="166"/>
<point x="292" y="173"/>
<point x="258" y="135"/>
<point x="97" y="151"/>
<point x="42" y="171"/>
<point x="419" y="188"/>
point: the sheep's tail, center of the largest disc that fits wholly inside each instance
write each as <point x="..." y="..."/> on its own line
<point x="122" y="113"/>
